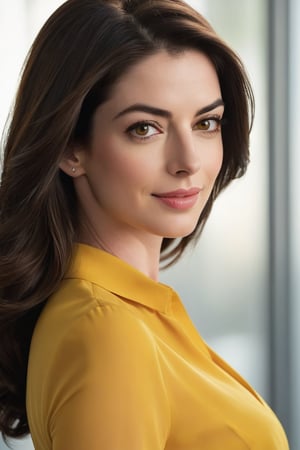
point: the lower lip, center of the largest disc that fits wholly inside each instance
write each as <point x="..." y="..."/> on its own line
<point x="180" y="203"/>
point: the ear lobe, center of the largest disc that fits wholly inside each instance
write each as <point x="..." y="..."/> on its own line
<point x="72" y="165"/>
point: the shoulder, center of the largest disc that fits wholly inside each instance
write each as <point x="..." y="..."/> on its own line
<point x="89" y="319"/>
<point x="104" y="355"/>
<point x="94" y="335"/>
<point x="73" y="302"/>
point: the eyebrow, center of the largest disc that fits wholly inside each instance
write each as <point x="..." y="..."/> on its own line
<point x="140" y="107"/>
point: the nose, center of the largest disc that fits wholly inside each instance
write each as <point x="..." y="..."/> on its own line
<point x="183" y="155"/>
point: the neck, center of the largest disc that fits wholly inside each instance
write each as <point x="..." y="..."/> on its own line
<point x="140" y="250"/>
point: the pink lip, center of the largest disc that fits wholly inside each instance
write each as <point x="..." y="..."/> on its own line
<point x="180" y="199"/>
<point x="179" y="193"/>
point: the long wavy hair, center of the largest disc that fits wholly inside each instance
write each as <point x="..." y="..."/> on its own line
<point x="81" y="51"/>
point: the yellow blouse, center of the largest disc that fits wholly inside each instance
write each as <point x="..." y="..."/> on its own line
<point x="116" y="364"/>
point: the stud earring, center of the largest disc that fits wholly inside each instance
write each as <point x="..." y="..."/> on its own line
<point x="73" y="169"/>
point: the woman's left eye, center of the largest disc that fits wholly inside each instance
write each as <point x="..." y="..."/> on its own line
<point x="143" y="130"/>
<point x="210" y="125"/>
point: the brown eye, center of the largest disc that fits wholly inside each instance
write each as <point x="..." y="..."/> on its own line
<point x="209" y="125"/>
<point x="143" y="130"/>
<point x="204" y="125"/>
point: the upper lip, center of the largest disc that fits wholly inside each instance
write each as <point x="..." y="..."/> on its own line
<point x="180" y="193"/>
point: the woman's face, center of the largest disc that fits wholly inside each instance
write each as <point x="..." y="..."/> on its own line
<point x="156" y="149"/>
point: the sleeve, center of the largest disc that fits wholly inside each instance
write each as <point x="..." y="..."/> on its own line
<point x="107" y="391"/>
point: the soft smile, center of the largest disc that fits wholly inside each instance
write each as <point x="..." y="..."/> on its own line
<point x="180" y="199"/>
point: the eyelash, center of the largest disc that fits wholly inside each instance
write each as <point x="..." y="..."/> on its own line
<point x="219" y="122"/>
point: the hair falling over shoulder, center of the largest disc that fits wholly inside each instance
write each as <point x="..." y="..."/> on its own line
<point x="79" y="54"/>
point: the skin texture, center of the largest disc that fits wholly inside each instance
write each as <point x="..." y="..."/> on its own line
<point x="136" y="156"/>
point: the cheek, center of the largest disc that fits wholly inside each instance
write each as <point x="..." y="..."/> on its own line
<point x="214" y="161"/>
<point x="120" y="169"/>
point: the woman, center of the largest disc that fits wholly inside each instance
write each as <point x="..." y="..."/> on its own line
<point x="131" y="117"/>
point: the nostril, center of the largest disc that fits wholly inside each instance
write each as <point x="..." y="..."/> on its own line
<point x="183" y="172"/>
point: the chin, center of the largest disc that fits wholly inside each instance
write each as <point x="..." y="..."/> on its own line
<point x="177" y="233"/>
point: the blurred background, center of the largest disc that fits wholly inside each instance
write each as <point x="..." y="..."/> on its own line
<point x="241" y="283"/>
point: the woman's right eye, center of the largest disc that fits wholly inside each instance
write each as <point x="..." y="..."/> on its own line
<point x="143" y="130"/>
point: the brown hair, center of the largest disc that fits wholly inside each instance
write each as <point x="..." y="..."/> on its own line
<point x="81" y="51"/>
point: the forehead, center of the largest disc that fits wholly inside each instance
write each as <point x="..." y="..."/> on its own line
<point x="188" y="75"/>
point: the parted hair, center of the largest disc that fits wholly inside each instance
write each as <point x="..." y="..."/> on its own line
<point x="77" y="57"/>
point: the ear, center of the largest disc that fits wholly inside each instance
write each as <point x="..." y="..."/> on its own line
<point x="72" y="163"/>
